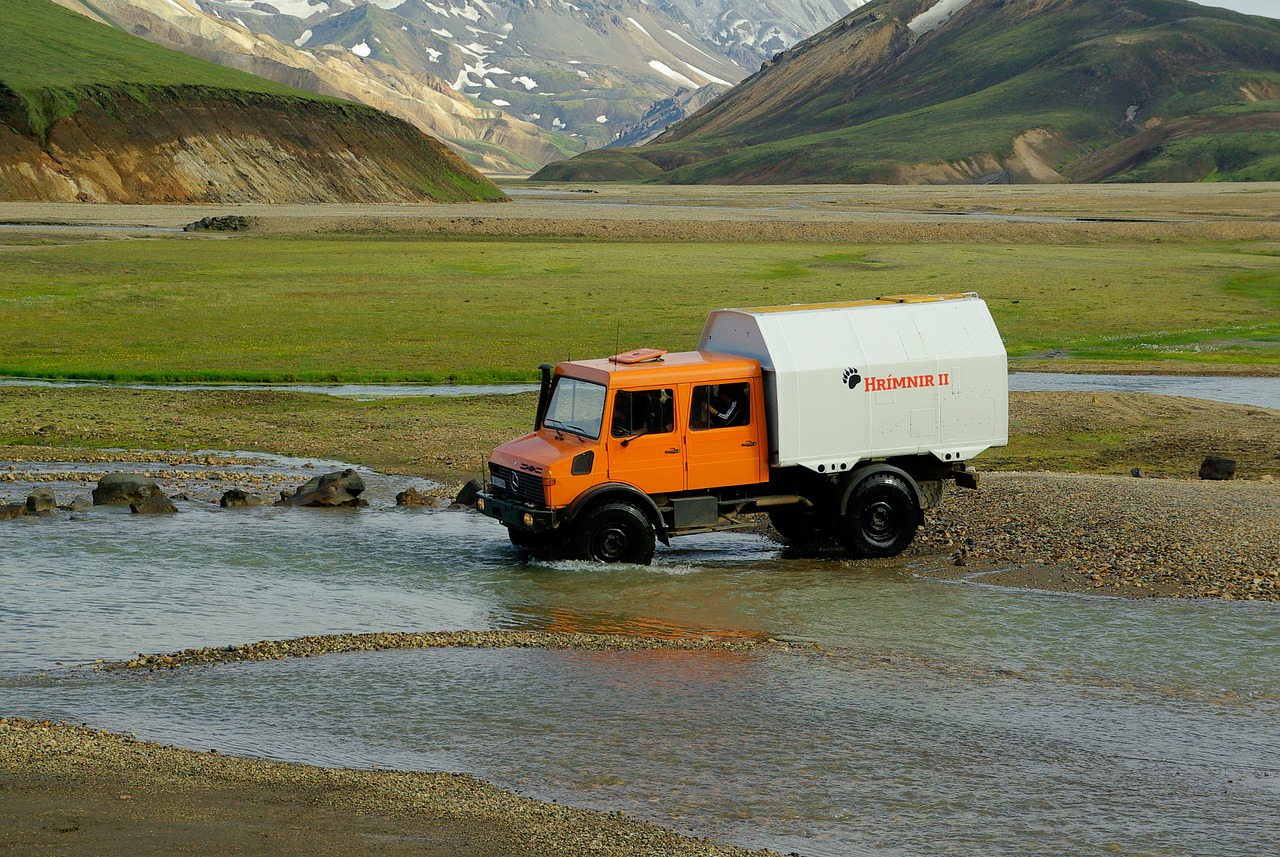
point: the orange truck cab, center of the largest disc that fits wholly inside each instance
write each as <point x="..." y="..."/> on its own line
<point x="647" y="445"/>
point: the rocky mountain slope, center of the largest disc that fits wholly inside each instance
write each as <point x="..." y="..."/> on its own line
<point x="582" y="72"/>
<point x="485" y="135"/>
<point x="89" y="113"/>
<point x="925" y="91"/>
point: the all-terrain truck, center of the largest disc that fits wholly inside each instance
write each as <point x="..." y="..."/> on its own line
<point x="842" y="421"/>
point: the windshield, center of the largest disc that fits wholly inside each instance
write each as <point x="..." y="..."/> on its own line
<point x="576" y="406"/>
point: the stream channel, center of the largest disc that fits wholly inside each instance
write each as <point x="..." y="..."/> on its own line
<point x="912" y="716"/>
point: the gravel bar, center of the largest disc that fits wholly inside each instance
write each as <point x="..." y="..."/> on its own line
<point x="68" y="789"/>
<point x="305" y="647"/>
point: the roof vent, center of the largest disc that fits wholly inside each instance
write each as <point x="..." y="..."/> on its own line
<point x="639" y="355"/>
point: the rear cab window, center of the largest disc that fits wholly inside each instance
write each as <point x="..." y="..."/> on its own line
<point x="715" y="406"/>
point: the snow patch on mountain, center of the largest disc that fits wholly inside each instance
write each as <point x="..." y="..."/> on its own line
<point x="708" y="75"/>
<point x="303" y="39"/>
<point x="678" y="37"/>
<point x="361" y="50"/>
<point x="935" y="16"/>
<point x="667" y="71"/>
<point x="296" y="8"/>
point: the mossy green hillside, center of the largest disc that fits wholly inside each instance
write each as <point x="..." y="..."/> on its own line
<point x="409" y="309"/>
<point x="53" y="58"/>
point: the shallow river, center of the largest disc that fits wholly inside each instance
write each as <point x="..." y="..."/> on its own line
<point x="1262" y="392"/>
<point x="935" y="718"/>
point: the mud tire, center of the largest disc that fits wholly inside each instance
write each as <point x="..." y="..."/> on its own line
<point x="930" y="493"/>
<point x="880" y="519"/>
<point x="804" y="527"/>
<point x="614" y="532"/>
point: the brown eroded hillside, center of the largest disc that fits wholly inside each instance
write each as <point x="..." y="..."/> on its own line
<point x="89" y="113"/>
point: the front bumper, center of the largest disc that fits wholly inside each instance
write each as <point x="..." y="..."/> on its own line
<point x="516" y="514"/>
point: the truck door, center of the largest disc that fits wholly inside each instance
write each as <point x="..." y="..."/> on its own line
<point x="724" y="443"/>
<point x="645" y="450"/>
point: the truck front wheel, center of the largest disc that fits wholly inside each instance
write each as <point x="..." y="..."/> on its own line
<point x="614" y="532"/>
<point x="538" y="545"/>
<point x="881" y="517"/>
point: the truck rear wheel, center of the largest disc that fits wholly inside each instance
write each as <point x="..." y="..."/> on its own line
<point x="881" y="517"/>
<point x="614" y="532"/>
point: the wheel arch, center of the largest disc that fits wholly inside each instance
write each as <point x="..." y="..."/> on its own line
<point x="858" y="474"/>
<point x="619" y="492"/>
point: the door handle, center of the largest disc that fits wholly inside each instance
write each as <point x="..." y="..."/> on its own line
<point x="749" y="443"/>
<point x="673" y="452"/>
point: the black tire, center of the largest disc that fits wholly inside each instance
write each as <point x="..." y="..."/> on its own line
<point x="804" y="526"/>
<point x="546" y="545"/>
<point x="614" y="532"/>
<point x="881" y="517"/>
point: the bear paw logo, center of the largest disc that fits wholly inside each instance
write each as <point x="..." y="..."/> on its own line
<point x="852" y="378"/>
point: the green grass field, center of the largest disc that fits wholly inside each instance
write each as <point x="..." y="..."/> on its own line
<point x="411" y="309"/>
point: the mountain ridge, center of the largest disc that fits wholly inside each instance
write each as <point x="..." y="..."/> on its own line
<point x="1012" y="90"/>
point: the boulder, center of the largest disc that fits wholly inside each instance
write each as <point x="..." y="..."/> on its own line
<point x="412" y="497"/>
<point x="156" y="504"/>
<point x="332" y="489"/>
<point x="117" y="489"/>
<point x="467" y="495"/>
<point x="12" y="510"/>
<point x="41" y="502"/>
<point x="237" y="499"/>
<point x="80" y="504"/>
<point x="1218" y="468"/>
<point x="225" y="223"/>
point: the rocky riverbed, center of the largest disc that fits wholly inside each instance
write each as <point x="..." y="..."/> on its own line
<point x="1114" y="535"/>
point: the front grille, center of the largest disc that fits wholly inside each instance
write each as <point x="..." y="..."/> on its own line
<point x="517" y="485"/>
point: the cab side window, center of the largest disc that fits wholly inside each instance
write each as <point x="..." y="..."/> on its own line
<point x="720" y="406"/>
<point x="637" y="412"/>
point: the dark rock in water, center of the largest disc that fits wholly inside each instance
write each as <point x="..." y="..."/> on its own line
<point x="80" y="504"/>
<point x="41" y="502"/>
<point x="1217" y="468"/>
<point x="467" y="496"/>
<point x="332" y="489"/>
<point x="117" y="489"/>
<point x="156" y="504"/>
<point x="237" y="499"/>
<point x="12" y="510"/>
<point x="412" y="497"/>
<point x="225" y="223"/>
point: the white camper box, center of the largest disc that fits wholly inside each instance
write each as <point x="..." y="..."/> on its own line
<point x="900" y="375"/>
